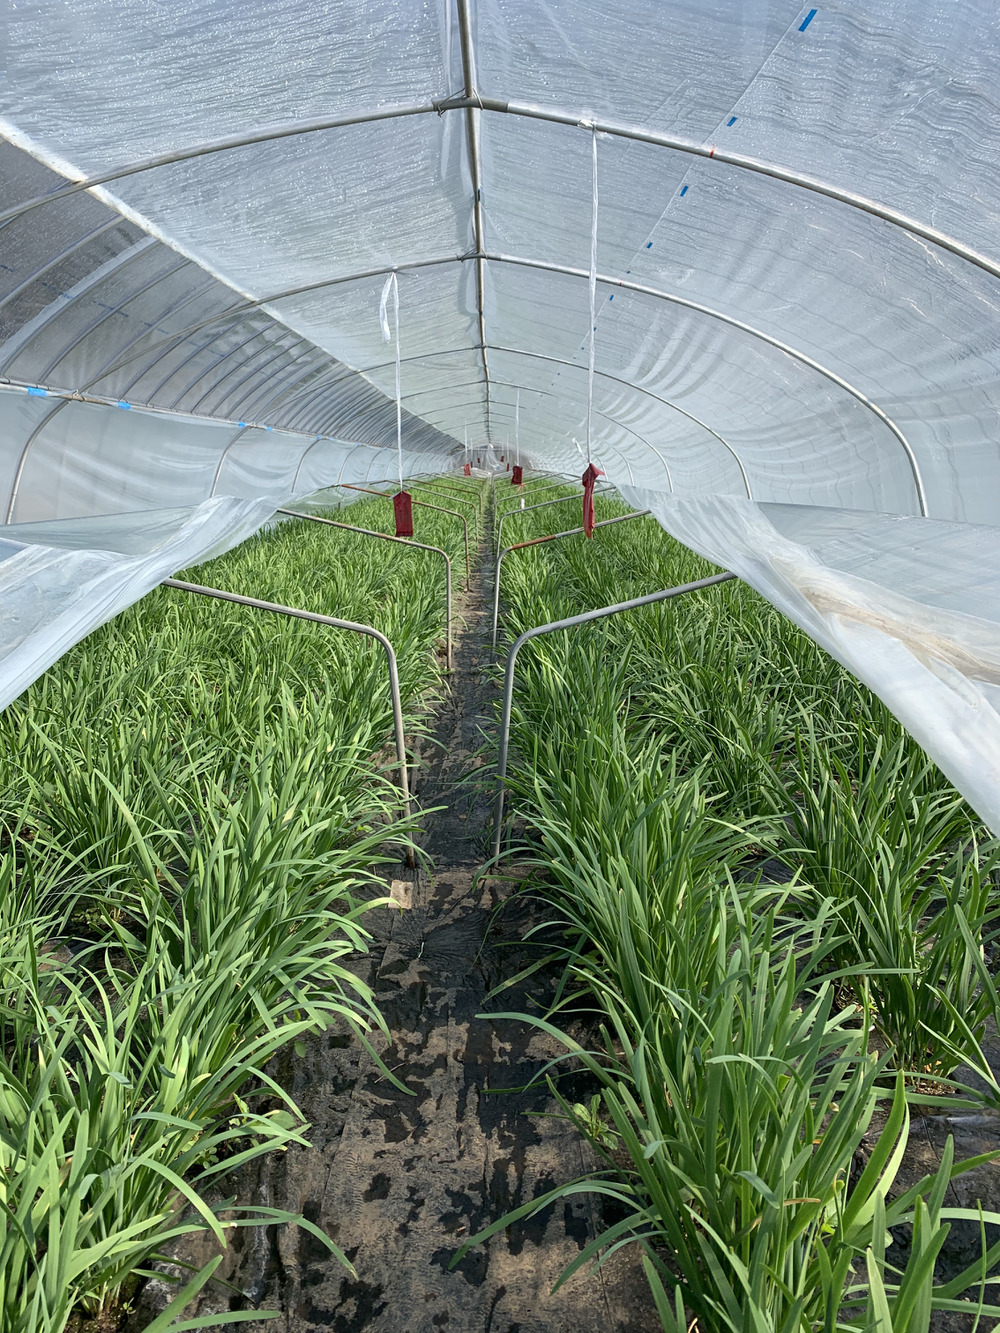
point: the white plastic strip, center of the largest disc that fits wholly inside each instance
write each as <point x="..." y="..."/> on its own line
<point x="391" y="285"/>
<point x="593" y="294"/>
<point x="910" y="605"/>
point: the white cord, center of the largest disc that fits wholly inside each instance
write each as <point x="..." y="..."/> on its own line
<point x="391" y="285"/>
<point x="593" y="292"/>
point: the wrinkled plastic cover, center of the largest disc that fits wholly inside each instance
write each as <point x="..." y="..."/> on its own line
<point x="811" y="389"/>
<point x="911" y="606"/>
<point x="51" y="596"/>
<point x="61" y="577"/>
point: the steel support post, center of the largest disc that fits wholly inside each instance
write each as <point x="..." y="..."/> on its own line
<point x="425" y="504"/>
<point x="570" y="623"/>
<point x="538" y="541"/>
<point x="277" y="609"/>
<point x="403" y="541"/>
<point x="507" y="513"/>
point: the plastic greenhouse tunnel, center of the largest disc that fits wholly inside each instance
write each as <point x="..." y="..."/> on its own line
<point x="557" y="891"/>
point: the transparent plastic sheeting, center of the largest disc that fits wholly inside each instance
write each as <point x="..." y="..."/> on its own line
<point x="94" y="535"/>
<point x="762" y="349"/>
<point x="59" y="581"/>
<point x="910" y="605"/>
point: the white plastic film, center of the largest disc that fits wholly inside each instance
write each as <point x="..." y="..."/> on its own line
<point x="910" y="605"/>
<point x="771" y="356"/>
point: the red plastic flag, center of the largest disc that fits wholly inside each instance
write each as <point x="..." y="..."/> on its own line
<point x="403" y="507"/>
<point x="501" y="458"/>
<point x="517" y="477"/>
<point x="589" y="478"/>
<point x="468" y="469"/>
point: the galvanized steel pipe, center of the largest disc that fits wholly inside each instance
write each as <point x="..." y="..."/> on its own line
<point x="403" y="541"/>
<point x="569" y="623"/>
<point x="369" y="630"/>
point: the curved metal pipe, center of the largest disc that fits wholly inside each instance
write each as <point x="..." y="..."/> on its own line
<point x="538" y="490"/>
<point x="57" y="259"/>
<point x="217" y="360"/>
<point x="642" y="290"/>
<point x="197" y="351"/>
<point x="472" y="129"/>
<point x="539" y="541"/>
<point x="15" y="485"/>
<point x="223" y="456"/>
<point x="102" y="319"/>
<point x="638" y="388"/>
<point x="631" y="431"/>
<point x="308" y="449"/>
<point x="276" y="354"/>
<point x="268" y="134"/>
<point x="569" y="623"/>
<point x="402" y="541"/>
<point x="354" y="627"/>
<point x="25" y="336"/>
<point x="256" y="403"/>
<point x="425" y="504"/>
<point x="241" y="309"/>
<point x="169" y="343"/>
<point x="578" y="118"/>
<point x="543" y="504"/>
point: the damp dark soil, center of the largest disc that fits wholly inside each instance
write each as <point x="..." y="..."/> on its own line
<point x="400" y="1179"/>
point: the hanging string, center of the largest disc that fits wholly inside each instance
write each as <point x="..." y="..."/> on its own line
<point x="392" y="286"/>
<point x="593" y="291"/>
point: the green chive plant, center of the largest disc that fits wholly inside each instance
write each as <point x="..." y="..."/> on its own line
<point x="194" y="802"/>
<point x="753" y="872"/>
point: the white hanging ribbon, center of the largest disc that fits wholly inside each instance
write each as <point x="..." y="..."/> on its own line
<point x="391" y="285"/>
<point x="593" y="293"/>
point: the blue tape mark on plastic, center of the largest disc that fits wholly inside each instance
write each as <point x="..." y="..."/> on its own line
<point x="807" y="20"/>
<point x="126" y="406"/>
<point x="38" y="393"/>
<point x="684" y="191"/>
<point x="649" y="245"/>
<point x="269" y="428"/>
<point x="241" y="424"/>
<point x="611" y="297"/>
<point x="731" y="121"/>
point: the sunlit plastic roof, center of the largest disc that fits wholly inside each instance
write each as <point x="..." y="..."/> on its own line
<point x="796" y="282"/>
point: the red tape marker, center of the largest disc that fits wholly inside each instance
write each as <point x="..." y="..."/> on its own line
<point x="403" y="506"/>
<point x="517" y="476"/>
<point x="589" y="478"/>
<point x="468" y="469"/>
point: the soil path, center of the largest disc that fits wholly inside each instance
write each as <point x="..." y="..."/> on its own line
<point x="401" y="1180"/>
